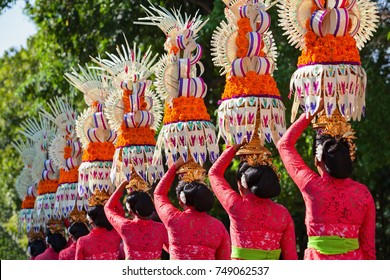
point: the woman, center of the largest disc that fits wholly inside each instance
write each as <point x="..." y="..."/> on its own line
<point x="340" y="213"/>
<point x="56" y="242"/>
<point x="76" y="230"/>
<point x="36" y="247"/>
<point x="102" y="243"/>
<point x="143" y="238"/>
<point x="259" y="227"/>
<point x="193" y="234"/>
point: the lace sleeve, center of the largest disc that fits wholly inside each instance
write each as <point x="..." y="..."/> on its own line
<point x="225" y="194"/>
<point x="295" y="165"/>
<point x="114" y="210"/>
<point x="164" y="207"/>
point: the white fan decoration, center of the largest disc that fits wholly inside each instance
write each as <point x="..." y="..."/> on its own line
<point x="92" y="127"/>
<point x="295" y="13"/>
<point x="64" y="116"/>
<point x="293" y="16"/>
<point x="178" y="76"/>
<point x="26" y="149"/>
<point x="24" y="183"/>
<point x="367" y="14"/>
<point x="242" y="116"/>
<point x="130" y="70"/>
<point x="340" y="85"/>
<point x="223" y="46"/>
<point x="93" y="83"/>
<point x="43" y="170"/>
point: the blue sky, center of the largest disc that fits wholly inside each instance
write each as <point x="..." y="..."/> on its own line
<point x="15" y="27"/>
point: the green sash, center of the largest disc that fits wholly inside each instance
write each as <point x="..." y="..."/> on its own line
<point x="254" y="254"/>
<point x="333" y="245"/>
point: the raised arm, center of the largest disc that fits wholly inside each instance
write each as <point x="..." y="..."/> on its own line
<point x="164" y="207"/>
<point x="225" y="194"/>
<point x="295" y="165"/>
<point x="114" y="209"/>
<point x="288" y="243"/>
<point x="367" y="231"/>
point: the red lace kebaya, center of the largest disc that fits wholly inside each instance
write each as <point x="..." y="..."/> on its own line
<point x="334" y="207"/>
<point x="192" y="234"/>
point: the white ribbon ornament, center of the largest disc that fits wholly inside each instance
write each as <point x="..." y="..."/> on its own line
<point x="138" y="119"/>
<point x="260" y="65"/>
<point x="195" y="87"/>
<point x="333" y="18"/>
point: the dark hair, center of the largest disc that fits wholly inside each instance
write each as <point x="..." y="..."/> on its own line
<point x="197" y="195"/>
<point x="335" y="155"/>
<point x="96" y="213"/>
<point x="262" y="180"/>
<point x="37" y="247"/>
<point x="56" y="240"/>
<point x="78" y="229"/>
<point x="140" y="203"/>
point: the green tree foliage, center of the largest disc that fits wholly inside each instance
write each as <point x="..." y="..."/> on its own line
<point x="69" y="32"/>
<point x="5" y="4"/>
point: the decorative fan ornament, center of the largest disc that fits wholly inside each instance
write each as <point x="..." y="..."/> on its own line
<point x="251" y="107"/>
<point x="187" y="130"/>
<point x="134" y="111"/>
<point x="24" y="184"/>
<point x="330" y="34"/>
<point x="293" y="17"/>
<point x="44" y="173"/>
<point x="92" y="83"/>
<point x="363" y="16"/>
<point x="96" y="136"/>
<point x="65" y="151"/>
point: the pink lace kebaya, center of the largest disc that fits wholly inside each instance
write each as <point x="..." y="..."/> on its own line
<point x="192" y="234"/>
<point x="255" y="223"/>
<point x="99" y="244"/>
<point x="143" y="239"/>
<point x="334" y="207"/>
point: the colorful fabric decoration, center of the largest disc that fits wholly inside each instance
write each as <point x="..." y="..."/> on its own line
<point x="44" y="172"/>
<point x="66" y="152"/>
<point x="187" y="131"/>
<point x="96" y="135"/>
<point x="134" y="112"/>
<point x="330" y="35"/>
<point x="244" y="48"/>
<point x="25" y="186"/>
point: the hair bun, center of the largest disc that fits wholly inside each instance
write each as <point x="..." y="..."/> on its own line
<point x="263" y="181"/>
<point x="337" y="160"/>
<point x="198" y="195"/>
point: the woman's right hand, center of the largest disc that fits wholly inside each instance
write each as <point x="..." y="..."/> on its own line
<point x="180" y="162"/>
<point x="236" y="147"/>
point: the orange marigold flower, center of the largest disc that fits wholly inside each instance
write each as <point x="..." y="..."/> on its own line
<point x="47" y="186"/>
<point x="252" y="84"/>
<point x="328" y="49"/>
<point x="71" y="176"/>
<point x="135" y="136"/>
<point x="102" y="151"/>
<point x="174" y="50"/>
<point x="126" y="100"/>
<point x="242" y="41"/>
<point x="185" y="109"/>
<point x="28" y="202"/>
<point x="67" y="152"/>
